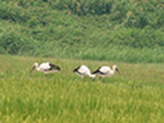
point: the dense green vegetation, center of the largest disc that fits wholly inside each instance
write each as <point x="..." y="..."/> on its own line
<point x="126" y="30"/>
<point x="134" y="95"/>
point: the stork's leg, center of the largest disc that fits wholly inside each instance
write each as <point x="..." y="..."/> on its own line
<point x="52" y="74"/>
<point x="94" y="79"/>
<point x="83" y="78"/>
<point x="46" y="75"/>
<point x="103" y="79"/>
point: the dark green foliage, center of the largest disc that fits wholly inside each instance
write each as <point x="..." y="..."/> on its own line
<point x="84" y="7"/>
<point x="13" y="12"/>
<point x="83" y="29"/>
<point x="14" y="44"/>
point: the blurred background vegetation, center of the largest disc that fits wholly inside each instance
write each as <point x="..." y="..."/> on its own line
<point x="126" y="30"/>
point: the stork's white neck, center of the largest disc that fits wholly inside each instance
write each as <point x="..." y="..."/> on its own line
<point x="37" y="66"/>
<point x="112" y="72"/>
<point x="91" y="75"/>
<point x="114" y="69"/>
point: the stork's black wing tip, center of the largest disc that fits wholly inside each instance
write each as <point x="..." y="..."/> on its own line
<point x="54" y="67"/>
<point x="58" y="68"/>
<point x="76" y="69"/>
<point x="96" y="71"/>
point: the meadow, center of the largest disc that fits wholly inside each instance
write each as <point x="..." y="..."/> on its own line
<point x="136" y="95"/>
<point x="73" y="32"/>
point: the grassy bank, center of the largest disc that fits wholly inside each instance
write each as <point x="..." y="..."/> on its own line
<point x="130" y="31"/>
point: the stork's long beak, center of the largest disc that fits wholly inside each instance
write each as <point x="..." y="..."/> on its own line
<point x="32" y="68"/>
<point x="117" y="70"/>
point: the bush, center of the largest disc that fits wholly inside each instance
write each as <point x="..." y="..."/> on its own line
<point x="11" y="11"/>
<point x="14" y="44"/>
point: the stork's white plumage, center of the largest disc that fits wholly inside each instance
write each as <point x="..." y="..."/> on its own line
<point x="83" y="71"/>
<point x="106" y="71"/>
<point x="46" y="67"/>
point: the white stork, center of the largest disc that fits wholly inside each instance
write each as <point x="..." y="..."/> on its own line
<point x="46" y="67"/>
<point x="84" y="71"/>
<point x="106" y="71"/>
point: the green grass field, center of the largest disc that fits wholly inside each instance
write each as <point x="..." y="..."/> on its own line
<point x="136" y="95"/>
